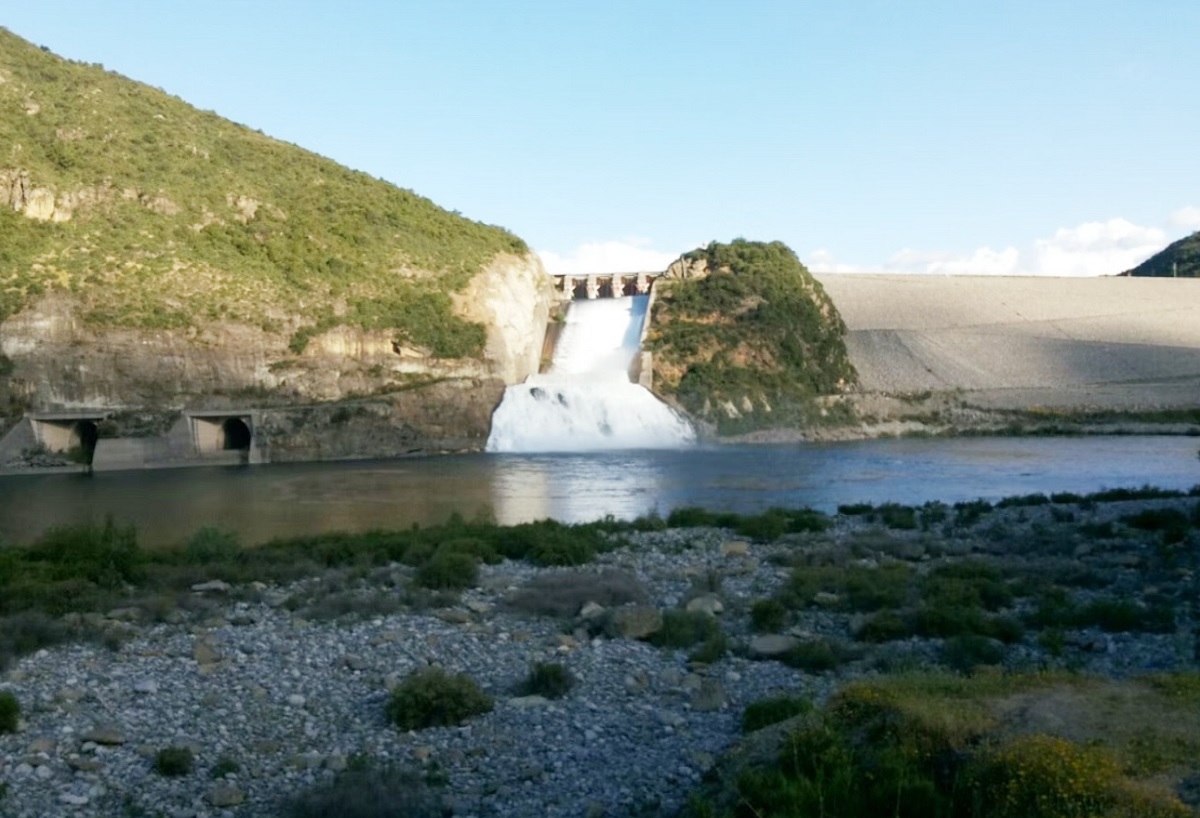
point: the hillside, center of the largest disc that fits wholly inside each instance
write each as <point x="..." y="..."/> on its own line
<point x="171" y="255"/>
<point x="1180" y="259"/>
<point x="745" y="338"/>
<point x="159" y="215"/>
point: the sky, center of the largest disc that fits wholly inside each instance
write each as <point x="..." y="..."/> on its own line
<point x="1006" y="137"/>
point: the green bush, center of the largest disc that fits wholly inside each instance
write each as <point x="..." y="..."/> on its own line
<point x="226" y="765"/>
<point x="683" y="629"/>
<point x="448" y="570"/>
<point x="369" y="792"/>
<point x="768" y="615"/>
<point x="173" y="762"/>
<point x="894" y="515"/>
<point x="10" y="712"/>
<point x="967" y="652"/>
<point x="548" y="679"/>
<point x="766" y="712"/>
<point x="714" y="646"/>
<point x="433" y="698"/>
<point x="815" y="656"/>
<point x="210" y="545"/>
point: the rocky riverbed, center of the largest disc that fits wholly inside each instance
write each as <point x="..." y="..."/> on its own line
<point x="274" y="692"/>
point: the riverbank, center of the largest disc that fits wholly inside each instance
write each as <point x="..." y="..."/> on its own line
<point x="273" y="671"/>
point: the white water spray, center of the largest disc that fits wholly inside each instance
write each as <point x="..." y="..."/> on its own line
<point x="586" y="401"/>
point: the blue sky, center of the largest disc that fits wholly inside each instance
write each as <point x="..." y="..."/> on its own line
<point x="1042" y="137"/>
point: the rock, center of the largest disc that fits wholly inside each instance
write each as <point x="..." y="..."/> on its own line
<point x="213" y="586"/>
<point x="296" y="700"/>
<point x="637" y="621"/>
<point x="225" y="795"/>
<point x="479" y="607"/>
<point x="526" y="702"/>
<point x="771" y="645"/>
<point x="455" y="616"/>
<point x="826" y="599"/>
<point x="710" y="696"/>
<point x="354" y="662"/>
<point x="710" y="604"/>
<point x="206" y="653"/>
<point x="146" y="687"/>
<point x="735" y="548"/>
<point x="42" y="744"/>
<point x="591" y="610"/>
<point x="73" y="800"/>
<point x="108" y="735"/>
<point x="84" y="765"/>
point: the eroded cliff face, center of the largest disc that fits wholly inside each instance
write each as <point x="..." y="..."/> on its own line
<point x="58" y="361"/>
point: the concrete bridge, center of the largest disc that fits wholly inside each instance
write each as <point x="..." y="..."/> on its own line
<point x="603" y="285"/>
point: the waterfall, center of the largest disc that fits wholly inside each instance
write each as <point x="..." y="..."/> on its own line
<point x="586" y="401"/>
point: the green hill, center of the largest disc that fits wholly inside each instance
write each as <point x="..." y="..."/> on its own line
<point x="744" y="337"/>
<point x="155" y="215"/>
<point x="1181" y="258"/>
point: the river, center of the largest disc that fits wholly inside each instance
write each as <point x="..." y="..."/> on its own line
<point x="262" y="502"/>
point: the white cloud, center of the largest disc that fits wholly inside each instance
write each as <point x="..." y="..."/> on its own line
<point x="628" y="256"/>
<point x="1089" y="249"/>
<point x="1186" y="217"/>
<point x="823" y="261"/>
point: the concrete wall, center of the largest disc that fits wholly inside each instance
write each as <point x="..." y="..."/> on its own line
<point x="1103" y="342"/>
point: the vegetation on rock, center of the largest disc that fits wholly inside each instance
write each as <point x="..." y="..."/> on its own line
<point x="751" y="341"/>
<point x="155" y="215"/>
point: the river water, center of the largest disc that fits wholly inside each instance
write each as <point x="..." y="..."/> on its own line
<point x="262" y="502"/>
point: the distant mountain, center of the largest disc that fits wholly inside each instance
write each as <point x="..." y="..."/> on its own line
<point x="1181" y="259"/>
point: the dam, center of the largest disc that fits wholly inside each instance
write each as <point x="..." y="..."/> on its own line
<point x="1015" y="343"/>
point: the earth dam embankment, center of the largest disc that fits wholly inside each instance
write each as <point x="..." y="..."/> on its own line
<point x="1019" y="343"/>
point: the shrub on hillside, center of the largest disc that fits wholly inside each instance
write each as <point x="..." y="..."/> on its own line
<point x="433" y="698"/>
<point x="768" y="615"/>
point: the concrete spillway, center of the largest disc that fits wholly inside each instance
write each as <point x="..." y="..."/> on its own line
<point x="586" y="401"/>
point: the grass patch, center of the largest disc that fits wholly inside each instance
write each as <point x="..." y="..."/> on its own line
<point x="10" y="712"/>
<point x="767" y="526"/>
<point x="174" y="762"/>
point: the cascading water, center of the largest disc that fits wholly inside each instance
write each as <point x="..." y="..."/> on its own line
<point x="586" y="401"/>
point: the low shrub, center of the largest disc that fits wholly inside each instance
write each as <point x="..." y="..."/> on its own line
<point x="24" y="633"/>
<point x="433" y="698"/>
<point x="855" y="509"/>
<point x="563" y="593"/>
<point x="1173" y="523"/>
<point x="1123" y="616"/>
<point x="683" y="629"/>
<point x="894" y="515"/>
<point x="766" y="712"/>
<point x="209" y="545"/>
<point x="368" y="793"/>
<point x="969" y="513"/>
<point x="970" y="584"/>
<point x="173" y="762"/>
<point x="885" y="626"/>
<point x="768" y="615"/>
<point x="965" y="653"/>
<point x="1023" y="501"/>
<point x="815" y="656"/>
<point x="10" y="712"/>
<point x="860" y="588"/>
<point x="712" y="649"/>
<point x="226" y="765"/>
<point x="548" y="679"/>
<point x="448" y="570"/>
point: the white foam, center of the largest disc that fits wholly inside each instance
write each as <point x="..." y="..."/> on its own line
<point x="586" y="401"/>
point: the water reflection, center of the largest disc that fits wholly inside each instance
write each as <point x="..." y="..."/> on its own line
<point x="297" y="499"/>
<point x="576" y="488"/>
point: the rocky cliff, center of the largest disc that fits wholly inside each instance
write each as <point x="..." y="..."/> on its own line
<point x="157" y="257"/>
